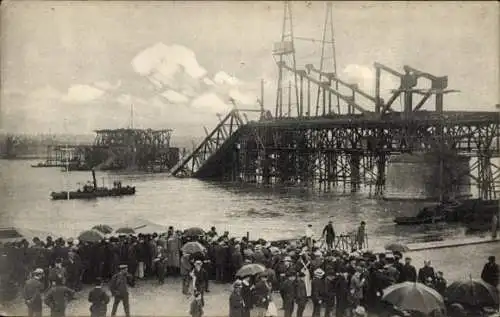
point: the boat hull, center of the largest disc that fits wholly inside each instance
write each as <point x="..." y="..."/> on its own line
<point x="417" y="221"/>
<point x="114" y="192"/>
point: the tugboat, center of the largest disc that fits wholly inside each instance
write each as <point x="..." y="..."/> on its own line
<point x="92" y="191"/>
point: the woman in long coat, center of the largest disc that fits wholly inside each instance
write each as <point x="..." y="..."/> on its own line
<point x="174" y="245"/>
<point x="236" y="303"/>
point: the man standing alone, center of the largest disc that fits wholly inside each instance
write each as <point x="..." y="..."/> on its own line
<point x="119" y="289"/>
<point x="329" y="235"/>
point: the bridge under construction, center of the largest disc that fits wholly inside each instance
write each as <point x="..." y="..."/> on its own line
<point x="323" y="134"/>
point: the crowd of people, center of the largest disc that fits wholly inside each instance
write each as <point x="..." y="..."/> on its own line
<point x="336" y="281"/>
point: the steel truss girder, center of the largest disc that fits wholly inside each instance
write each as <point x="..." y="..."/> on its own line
<point x="351" y="156"/>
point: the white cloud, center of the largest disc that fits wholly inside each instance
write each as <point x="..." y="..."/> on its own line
<point x="210" y="102"/>
<point x="223" y="78"/>
<point x="105" y="85"/>
<point x="175" y="97"/>
<point x="82" y="94"/>
<point x="44" y="93"/>
<point x="243" y="98"/>
<point x="208" y="81"/>
<point x="163" y="62"/>
<point x="365" y="78"/>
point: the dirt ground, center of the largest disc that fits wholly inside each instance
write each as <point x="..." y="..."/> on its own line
<point x="149" y="298"/>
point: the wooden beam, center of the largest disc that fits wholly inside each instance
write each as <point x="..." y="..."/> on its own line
<point x="334" y="77"/>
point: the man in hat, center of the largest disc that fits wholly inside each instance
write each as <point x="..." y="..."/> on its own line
<point x="317" y="291"/>
<point x="57" y="298"/>
<point x="301" y="294"/>
<point x="185" y="272"/>
<point x="341" y="294"/>
<point x="99" y="300"/>
<point x="246" y="295"/>
<point x="261" y="295"/>
<point x="288" y="293"/>
<point x="58" y="272"/>
<point x="309" y="236"/>
<point x="33" y="290"/>
<point x="490" y="273"/>
<point x="282" y="272"/>
<point x="360" y="236"/>
<point x="200" y="279"/>
<point x="426" y="274"/>
<point x="329" y="235"/>
<point x="329" y="292"/>
<point x="409" y="272"/>
<point x="119" y="289"/>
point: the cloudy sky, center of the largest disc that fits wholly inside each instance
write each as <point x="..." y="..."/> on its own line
<point x="77" y="66"/>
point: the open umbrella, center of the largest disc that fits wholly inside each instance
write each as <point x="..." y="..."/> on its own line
<point x="91" y="236"/>
<point x="414" y="296"/>
<point x="125" y="230"/>
<point x="194" y="232"/>
<point x="193" y="247"/>
<point x="103" y="228"/>
<point x="472" y="292"/>
<point x="397" y="247"/>
<point x="250" y="269"/>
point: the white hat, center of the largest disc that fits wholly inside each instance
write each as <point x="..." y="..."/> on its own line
<point x="360" y="311"/>
<point x="287" y="258"/>
<point x="319" y="272"/>
<point x="38" y="271"/>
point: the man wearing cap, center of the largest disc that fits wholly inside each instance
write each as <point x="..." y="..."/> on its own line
<point x="57" y="298"/>
<point x="261" y="295"/>
<point x="58" y="272"/>
<point x="409" y="273"/>
<point x="33" y="290"/>
<point x="119" y="289"/>
<point x="288" y="293"/>
<point x="246" y="295"/>
<point x="99" y="300"/>
<point x="317" y="290"/>
<point x="490" y="273"/>
<point x="329" y="235"/>
<point x="329" y="292"/>
<point x="301" y="294"/>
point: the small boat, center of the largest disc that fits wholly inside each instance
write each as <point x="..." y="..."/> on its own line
<point x="427" y="215"/>
<point x="92" y="191"/>
<point x="418" y="220"/>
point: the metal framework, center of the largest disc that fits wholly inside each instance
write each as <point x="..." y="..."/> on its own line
<point x="348" y="144"/>
<point x="144" y="149"/>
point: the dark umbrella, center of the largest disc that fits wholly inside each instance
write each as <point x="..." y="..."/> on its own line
<point x="472" y="292"/>
<point x="193" y="247"/>
<point x="125" y="230"/>
<point x="397" y="247"/>
<point x="194" y="232"/>
<point x="103" y="228"/>
<point x="91" y="236"/>
<point x="414" y="296"/>
<point x="250" y="269"/>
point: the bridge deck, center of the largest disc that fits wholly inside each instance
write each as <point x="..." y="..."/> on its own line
<point x="389" y="120"/>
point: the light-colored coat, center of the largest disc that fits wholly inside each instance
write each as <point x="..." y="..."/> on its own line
<point x="174" y="246"/>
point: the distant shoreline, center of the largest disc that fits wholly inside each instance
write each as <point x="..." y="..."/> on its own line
<point x="24" y="157"/>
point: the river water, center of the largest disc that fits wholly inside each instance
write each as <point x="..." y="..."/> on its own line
<point x="183" y="203"/>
